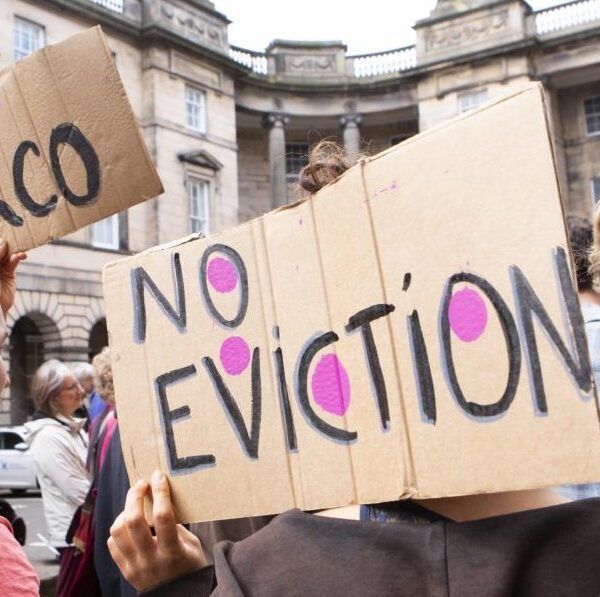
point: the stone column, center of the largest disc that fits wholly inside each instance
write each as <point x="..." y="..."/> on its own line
<point x="351" y="134"/>
<point x="275" y="124"/>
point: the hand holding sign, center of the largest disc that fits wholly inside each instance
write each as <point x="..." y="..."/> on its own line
<point x="148" y="561"/>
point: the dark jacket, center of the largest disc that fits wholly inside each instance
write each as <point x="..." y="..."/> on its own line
<point x="549" y="552"/>
<point x="113" y="484"/>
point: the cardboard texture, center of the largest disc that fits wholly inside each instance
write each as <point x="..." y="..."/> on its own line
<point x="71" y="151"/>
<point x="411" y="330"/>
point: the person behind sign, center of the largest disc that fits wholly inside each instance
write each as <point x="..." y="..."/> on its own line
<point x="59" y="446"/>
<point x="581" y="240"/>
<point x="17" y="576"/>
<point x="528" y="543"/>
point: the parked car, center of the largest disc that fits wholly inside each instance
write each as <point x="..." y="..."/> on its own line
<point x="17" y="471"/>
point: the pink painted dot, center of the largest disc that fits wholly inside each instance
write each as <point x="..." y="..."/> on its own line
<point x="467" y="314"/>
<point x="234" y="355"/>
<point x="221" y="274"/>
<point x="330" y="385"/>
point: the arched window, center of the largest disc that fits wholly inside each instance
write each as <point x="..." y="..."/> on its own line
<point x="98" y="338"/>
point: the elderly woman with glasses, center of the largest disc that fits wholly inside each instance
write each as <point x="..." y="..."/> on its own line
<point x="59" y="446"/>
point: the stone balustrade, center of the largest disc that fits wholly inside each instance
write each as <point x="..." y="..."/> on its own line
<point x="382" y="63"/>
<point x="570" y="15"/>
<point x="255" y="61"/>
<point x="363" y="66"/>
<point x="114" y="5"/>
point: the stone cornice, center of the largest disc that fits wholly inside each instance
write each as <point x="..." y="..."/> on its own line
<point x="95" y="12"/>
<point x="155" y="29"/>
<point x="209" y="7"/>
<point x="457" y="15"/>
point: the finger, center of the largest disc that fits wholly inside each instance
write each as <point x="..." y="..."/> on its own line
<point x="120" y="538"/>
<point x="162" y="511"/>
<point x="135" y="521"/>
<point x="116" y="554"/>
<point x="187" y="536"/>
<point x="13" y="262"/>
<point x="3" y="251"/>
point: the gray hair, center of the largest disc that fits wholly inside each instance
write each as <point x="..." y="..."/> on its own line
<point x="46" y="385"/>
<point x="82" y="371"/>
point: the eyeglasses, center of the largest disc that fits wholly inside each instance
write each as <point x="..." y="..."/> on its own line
<point x="73" y="386"/>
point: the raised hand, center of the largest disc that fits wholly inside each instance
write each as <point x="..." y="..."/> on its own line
<point x="8" y="266"/>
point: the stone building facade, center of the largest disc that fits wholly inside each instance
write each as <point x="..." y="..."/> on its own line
<point x="227" y="128"/>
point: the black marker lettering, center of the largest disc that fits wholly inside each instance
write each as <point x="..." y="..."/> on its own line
<point x="68" y="133"/>
<point x="243" y="277"/>
<point x="406" y="282"/>
<point x="422" y="367"/>
<point x="37" y="209"/>
<point x="9" y="215"/>
<point x="305" y="360"/>
<point x="511" y="338"/>
<point x="141" y="281"/>
<point x="528" y="305"/>
<point x="288" y="419"/>
<point x="249" y="440"/>
<point x="363" y="320"/>
<point x="161" y="383"/>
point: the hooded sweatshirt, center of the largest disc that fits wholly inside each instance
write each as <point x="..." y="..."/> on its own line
<point x="59" y="449"/>
<point x="548" y="552"/>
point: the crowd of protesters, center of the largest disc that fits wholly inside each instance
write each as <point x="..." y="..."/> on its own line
<point x="534" y="543"/>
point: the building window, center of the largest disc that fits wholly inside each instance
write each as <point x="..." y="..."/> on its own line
<point x="195" y="109"/>
<point x="28" y="38"/>
<point x="471" y="99"/>
<point x="105" y="233"/>
<point x="595" y="189"/>
<point x="198" y="201"/>
<point x="296" y="157"/>
<point x="591" y="107"/>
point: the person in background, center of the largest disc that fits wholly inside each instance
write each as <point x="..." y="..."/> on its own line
<point x="104" y="423"/>
<point x="59" y="446"/>
<point x="585" y="249"/>
<point x="17" y="576"/>
<point x="112" y="486"/>
<point x="84" y="373"/>
<point x="581" y="240"/>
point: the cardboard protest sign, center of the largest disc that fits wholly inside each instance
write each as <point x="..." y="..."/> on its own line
<point x="411" y="330"/>
<point x="71" y="151"/>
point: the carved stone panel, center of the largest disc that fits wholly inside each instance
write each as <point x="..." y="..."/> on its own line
<point x="190" y="23"/>
<point x="306" y="63"/>
<point x="486" y="25"/>
<point x="467" y="31"/>
<point x="311" y="59"/>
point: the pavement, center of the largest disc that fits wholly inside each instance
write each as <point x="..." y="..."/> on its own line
<point x="29" y="508"/>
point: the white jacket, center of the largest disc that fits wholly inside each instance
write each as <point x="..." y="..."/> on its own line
<point x="59" y="450"/>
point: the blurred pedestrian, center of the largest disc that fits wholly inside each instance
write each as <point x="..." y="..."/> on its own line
<point x="59" y="446"/>
<point x="104" y="422"/>
<point x="94" y="404"/>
